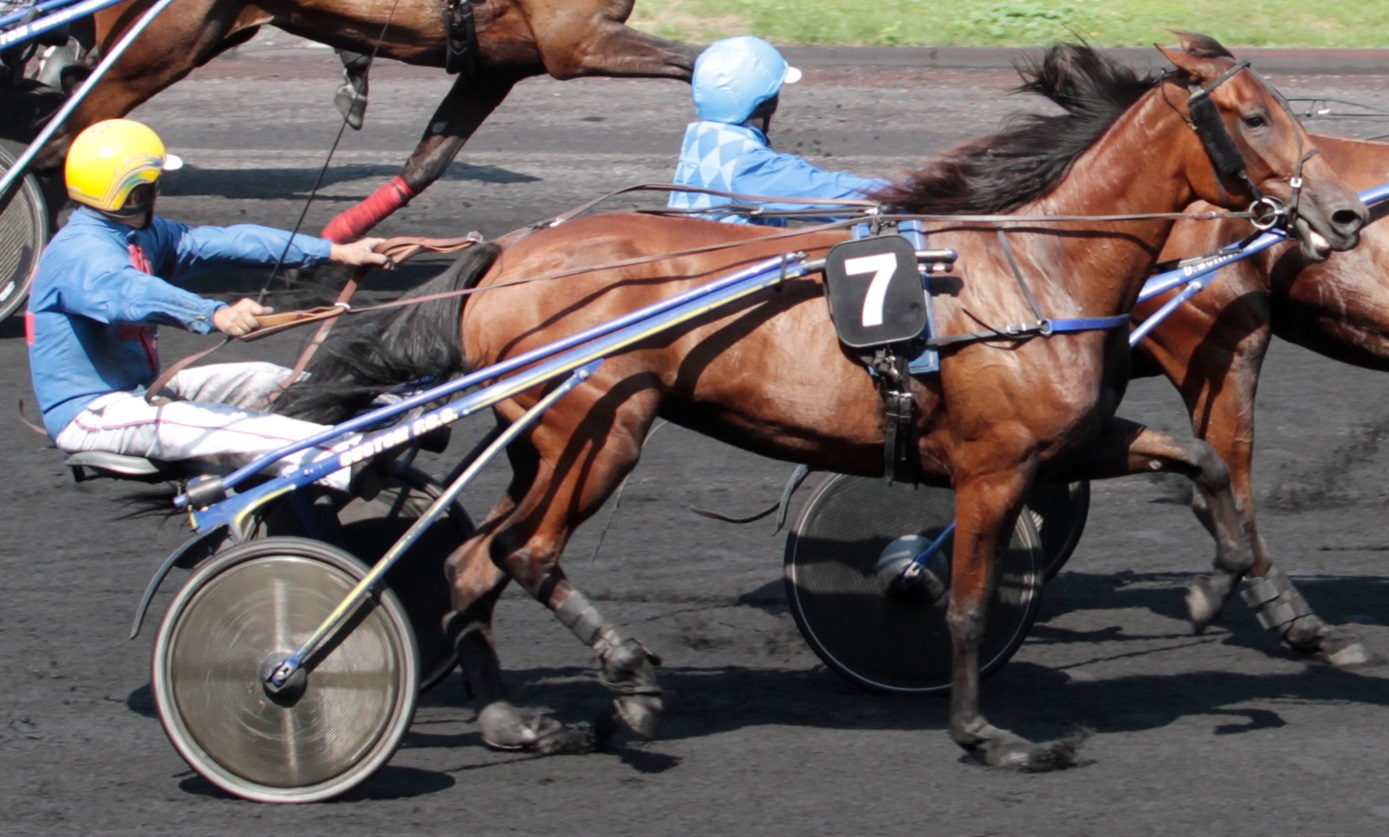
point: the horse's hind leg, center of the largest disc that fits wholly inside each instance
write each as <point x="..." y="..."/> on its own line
<point x="468" y="103"/>
<point x="1126" y="447"/>
<point x="560" y="479"/>
<point x="608" y="47"/>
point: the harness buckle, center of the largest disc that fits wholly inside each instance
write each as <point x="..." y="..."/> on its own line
<point x="1039" y="328"/>
<point x="1268" y="212"/>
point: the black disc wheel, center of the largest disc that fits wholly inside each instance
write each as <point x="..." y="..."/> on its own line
<point x="870" y="612"/>
<point x="368" y="527"/>
<point x="1059" y="511"/>
<point x="24" y="230"/>
<point x="336" y="721"/>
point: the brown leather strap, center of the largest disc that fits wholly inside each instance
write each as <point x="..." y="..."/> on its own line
<point x="396" y="249"/>
<point x="24" y="420"/>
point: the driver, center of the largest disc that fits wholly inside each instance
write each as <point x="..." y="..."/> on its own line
<point x="736" y="88"/>
<point x="111" y="277"/>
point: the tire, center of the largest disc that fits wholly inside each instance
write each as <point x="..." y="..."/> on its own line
<point x="24" y="230"/>
<point x="851" y="538"/>
<point x="367" y="528"/>
<point x="237" y="616"/>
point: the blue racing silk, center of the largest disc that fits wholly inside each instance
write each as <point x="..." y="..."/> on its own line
<point x="737" y="158"/>
<point x="102" y="289"/>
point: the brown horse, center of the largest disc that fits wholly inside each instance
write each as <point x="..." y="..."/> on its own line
<point x="1212" y="348"/>
<point x="514" y="40"/>
<point x="770" y="375"/>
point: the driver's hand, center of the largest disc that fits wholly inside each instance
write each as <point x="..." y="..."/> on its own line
<point x="360" y="252"/>
<point x="239" y="318"/>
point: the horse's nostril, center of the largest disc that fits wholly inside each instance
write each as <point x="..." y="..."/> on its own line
<point x="1349" y="219"/>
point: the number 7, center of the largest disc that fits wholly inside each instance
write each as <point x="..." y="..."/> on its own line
<point x="882" y="266"/>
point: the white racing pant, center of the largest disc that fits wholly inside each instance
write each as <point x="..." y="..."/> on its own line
<point x="212" y="418"/>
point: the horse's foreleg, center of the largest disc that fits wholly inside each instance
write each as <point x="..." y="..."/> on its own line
<point x="1126" y="447"/>
<point x="468" y="103"/>
<point x="1224" y="417"/>
<point x="985" y="512"/>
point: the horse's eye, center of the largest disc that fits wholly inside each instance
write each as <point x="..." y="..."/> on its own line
<point x="1255" y="121"/>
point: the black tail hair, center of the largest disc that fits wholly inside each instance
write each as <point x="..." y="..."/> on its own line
<point x="384" y="349"/>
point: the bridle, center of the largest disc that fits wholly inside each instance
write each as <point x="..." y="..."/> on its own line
<point x="1267" y="211"/>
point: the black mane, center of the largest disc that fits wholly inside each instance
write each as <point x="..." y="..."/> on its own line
<point x="1034" y="152"/>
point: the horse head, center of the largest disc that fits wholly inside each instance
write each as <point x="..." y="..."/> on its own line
<point x="1257" y="150"/>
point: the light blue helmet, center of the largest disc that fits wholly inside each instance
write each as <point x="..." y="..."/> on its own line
<point x="733" y="76"/>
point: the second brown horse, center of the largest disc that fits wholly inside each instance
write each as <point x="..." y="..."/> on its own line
<point x="514" y="40"/>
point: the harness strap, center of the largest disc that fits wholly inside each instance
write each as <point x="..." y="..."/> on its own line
<point x="1042" y="327"/>
<point x="396" y="249"/>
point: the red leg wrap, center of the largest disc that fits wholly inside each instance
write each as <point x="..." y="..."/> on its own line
<point x="353" y="223"/>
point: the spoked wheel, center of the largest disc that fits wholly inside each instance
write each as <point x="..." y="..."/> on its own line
<point x="845" y="583"/>
<point x="368" y="527"/>
<point x="24" y="230"/>
<point x="1059" y="512"/>
<point x="238" y="616"/>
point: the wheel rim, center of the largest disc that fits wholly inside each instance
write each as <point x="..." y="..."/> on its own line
<point x="836" y="586"/>
<point x="24" y="231"/>
<point x="367" y="528"/>
<point x="238" y="615"/>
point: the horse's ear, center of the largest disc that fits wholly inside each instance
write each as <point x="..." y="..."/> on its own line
<point x="1198" y="69"/>
<point x="1201" y="46"/>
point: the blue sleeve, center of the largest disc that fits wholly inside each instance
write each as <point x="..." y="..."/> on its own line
<point x="770" y="173"/>
<point x="198" y="249"/>
<point x="99" y="283"/>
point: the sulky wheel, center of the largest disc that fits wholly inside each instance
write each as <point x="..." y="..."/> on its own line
<point x="844" y="562"/>
<point x="1059" y="511"/>
<point x="368" y="527"/>
<point x="24" y="230"/>
<point x="237" y="617"/>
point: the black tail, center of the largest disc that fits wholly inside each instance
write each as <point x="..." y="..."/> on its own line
<point x="371" y="354"/>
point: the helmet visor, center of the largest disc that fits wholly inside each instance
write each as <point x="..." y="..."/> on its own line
<point x="138" y="202"/>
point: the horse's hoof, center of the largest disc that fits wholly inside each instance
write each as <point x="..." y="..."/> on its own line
<point x="1202" y="605"/>
<point x="1011" y="753"/>
<point x="352" y="104"/>
<point x="1347" y="652"/>
<point x="504" y="727"/>
<point x="641" y="714"/>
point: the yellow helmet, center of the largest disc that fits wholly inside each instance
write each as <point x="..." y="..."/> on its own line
<point x="109" y="160"/>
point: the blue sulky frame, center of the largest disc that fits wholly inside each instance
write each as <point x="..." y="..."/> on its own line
<point x="217" y="510"/>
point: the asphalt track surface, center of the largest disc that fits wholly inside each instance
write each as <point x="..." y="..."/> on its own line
<point x="1224" y="733"/>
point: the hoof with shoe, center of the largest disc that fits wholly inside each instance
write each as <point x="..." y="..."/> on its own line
<point x="995" y="747"/>
<point x="1203" y="603"/>
<point x="630" y="670"/>
<point x="640" y="713"/>
<point x="506" y="728"/>
<point x="352" y="104"/>
<point x="1344" y="651"/>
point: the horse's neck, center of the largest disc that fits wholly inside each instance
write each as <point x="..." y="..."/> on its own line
<point x="1131" y="170"/>
<point x="1363" y="163"/>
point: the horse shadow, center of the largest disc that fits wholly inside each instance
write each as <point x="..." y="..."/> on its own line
<point x="1039" y="701"/>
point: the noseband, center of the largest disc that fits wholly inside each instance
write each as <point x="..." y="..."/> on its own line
<point x="1267" y="211"/>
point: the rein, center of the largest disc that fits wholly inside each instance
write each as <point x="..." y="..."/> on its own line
<point x="401" y="248"/>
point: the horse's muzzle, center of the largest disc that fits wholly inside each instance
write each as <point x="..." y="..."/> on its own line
<point x="1322" y="230"/>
